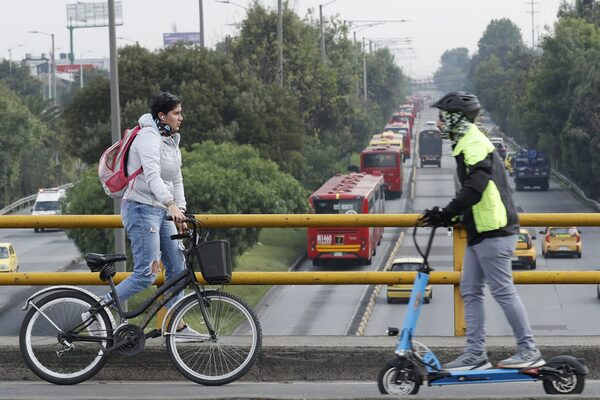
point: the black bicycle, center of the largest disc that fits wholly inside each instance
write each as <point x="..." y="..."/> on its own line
<point x="212" y="337"/>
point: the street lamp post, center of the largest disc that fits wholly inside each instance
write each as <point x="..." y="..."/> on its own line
<point x="10" y="57"/>
<point x="127" y="39"/>
<point x="201" y="9"/>
<point x="323" y="30"/>
<point x="364" y="70"/>
<point x="280" y="40"/>
<point x="232" y="3"/>
<point x="360" y="25"/>
<point x="53" y="66"/>
<point x="115" y="112"/>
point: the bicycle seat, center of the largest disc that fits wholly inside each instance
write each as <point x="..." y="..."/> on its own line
<point x="96" y="260"/>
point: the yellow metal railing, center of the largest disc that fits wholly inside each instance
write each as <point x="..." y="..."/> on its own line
<point x="281" y="220"/>
<point x="308" y="278"/>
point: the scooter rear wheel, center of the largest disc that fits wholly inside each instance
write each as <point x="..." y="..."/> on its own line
<point x="573" y="384"/>
<point x="399" y="377"/>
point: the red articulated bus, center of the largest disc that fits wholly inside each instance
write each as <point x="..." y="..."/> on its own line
<point x="354" y="193"/>
<point x="387" y="159"/>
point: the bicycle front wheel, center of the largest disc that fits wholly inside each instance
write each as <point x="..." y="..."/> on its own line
<point x="230" y="354"/>
<point x="55" y="343"/>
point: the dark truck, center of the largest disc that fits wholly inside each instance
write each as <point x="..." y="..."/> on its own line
<point x="430" y="147"/>
<point x="531" y="168"/>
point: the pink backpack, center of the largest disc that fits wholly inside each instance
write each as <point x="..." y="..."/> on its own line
<point x="112" y="168"/>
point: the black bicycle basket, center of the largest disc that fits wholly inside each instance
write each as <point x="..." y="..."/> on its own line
<point x="214" y="258"/>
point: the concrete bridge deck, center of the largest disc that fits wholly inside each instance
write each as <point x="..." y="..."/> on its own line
<point x="310" y="358"/>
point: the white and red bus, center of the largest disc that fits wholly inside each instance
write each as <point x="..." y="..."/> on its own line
<point x="353" y="193"/>
<point x="386" y="159"/>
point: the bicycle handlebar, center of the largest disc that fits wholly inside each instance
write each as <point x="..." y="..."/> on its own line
<point x="192" y="233"/>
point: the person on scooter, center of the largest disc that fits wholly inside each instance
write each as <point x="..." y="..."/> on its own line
<point x="485" y="207"/>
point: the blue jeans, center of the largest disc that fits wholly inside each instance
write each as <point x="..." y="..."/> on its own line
<point x="149" y="233"/>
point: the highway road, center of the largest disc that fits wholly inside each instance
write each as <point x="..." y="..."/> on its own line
<point x="46" y="251"/>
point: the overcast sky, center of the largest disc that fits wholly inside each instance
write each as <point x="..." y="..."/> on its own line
<point x="433" y="25"/>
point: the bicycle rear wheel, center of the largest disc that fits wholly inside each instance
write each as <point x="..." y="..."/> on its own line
<point x="47" y="343"/>
<point x="214" y="361"/>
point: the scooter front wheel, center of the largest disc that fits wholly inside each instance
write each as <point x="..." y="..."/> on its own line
<point x="399" y="377"/>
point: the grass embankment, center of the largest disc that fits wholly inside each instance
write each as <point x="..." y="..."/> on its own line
<point x="276" y="251"/>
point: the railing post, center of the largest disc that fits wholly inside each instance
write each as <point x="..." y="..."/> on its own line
<point x="162" y="313"/>
<point x="460" y="242"/>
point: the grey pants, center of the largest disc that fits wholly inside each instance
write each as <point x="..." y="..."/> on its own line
<point x="490" y="262"/>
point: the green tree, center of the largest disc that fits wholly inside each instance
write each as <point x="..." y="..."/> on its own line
<point x="233" y="179"/>
<point x="548" y="99"/>
<point x="499" y="73"/>
<point x="18" y="129"/>
<point x="87" y="197"/>
<point x="218" y="178"/>
<point x="87" y="125"/>
<point x="43" y="109"/>
<point x="452" y="73"/>
<point x="18" y="79"/>
<point x="233" y="94"/>
<point x="565" y="113"/>
<point x="500" y="38"/>
<point x="216" y="99"/>
<point x="584" y="9"/>
<point x="385" y="82"/>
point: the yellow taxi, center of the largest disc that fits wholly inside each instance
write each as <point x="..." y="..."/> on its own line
<point x="8" y="258"/>
<point x="564" y="240"/>
<point x="508" y="163"/>
<point x="524" y="255"/>
<point x="402" y="292"/>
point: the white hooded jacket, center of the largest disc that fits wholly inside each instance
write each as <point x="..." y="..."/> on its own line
<point x="160" y="159"/>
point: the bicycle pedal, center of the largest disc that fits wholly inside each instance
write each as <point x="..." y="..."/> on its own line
<point x="392" y="331"/>
<point x="154" y="333"/>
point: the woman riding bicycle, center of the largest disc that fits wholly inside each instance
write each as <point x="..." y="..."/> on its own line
<point x="152" y="196"/>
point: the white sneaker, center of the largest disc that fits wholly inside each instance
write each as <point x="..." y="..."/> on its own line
<point x="187" y="334"/>
<point x="93" y="326"/>
<point x="468" y="362"/>
<point x="525" y="358"/>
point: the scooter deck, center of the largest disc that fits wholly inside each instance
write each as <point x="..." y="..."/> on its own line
<point x="479" y="376"/>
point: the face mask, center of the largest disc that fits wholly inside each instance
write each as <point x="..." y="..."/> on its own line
<point x="454" y="125"/>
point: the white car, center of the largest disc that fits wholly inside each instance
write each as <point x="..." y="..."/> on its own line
<point x="47" y="202"/>
<point x="430" y="124"/>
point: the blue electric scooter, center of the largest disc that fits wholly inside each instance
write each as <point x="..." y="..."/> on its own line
<point x="415" y="363"/>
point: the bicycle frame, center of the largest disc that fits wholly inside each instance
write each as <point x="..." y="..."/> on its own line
<point x="165" y="293"/>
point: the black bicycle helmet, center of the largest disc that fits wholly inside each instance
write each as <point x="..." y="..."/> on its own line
<point x="459" y="102"/>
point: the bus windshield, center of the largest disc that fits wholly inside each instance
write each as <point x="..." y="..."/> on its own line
<point x="380" y="160"/>
<point x="341" y="206"/>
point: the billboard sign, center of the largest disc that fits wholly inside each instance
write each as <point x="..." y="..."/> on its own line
<point x="74" y="68"/>
<point x="175" y="37"/>
<point x="81" y="15"/>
